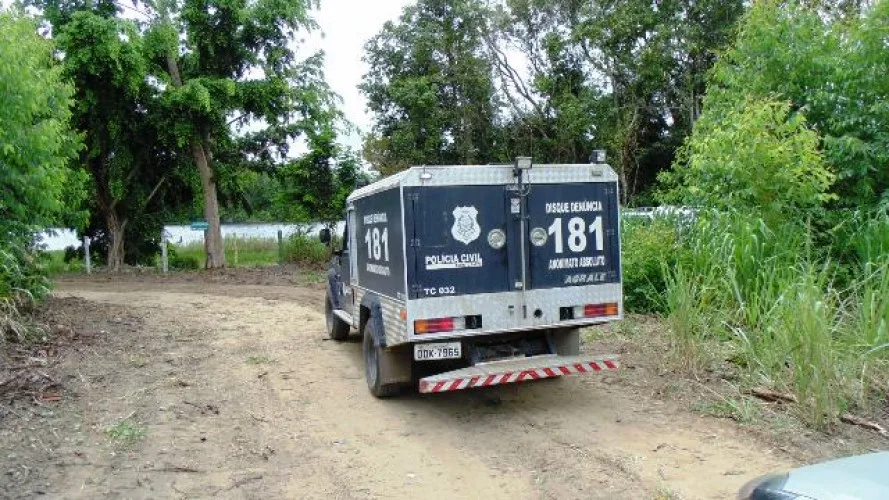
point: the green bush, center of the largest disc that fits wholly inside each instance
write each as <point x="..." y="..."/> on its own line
<point x="307" y="251"/>
<point x="648" y="248"/>
<point x="37" y="187"/>
<point x="754" y="154"/>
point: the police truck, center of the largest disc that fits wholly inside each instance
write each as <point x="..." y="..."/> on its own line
<point x="458" y="277"/>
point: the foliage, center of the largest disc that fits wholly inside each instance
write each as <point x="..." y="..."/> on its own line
<point x="761" y="298"/>
<point x="244" y="252"/>
<point x="430" y="87"/>
<point x="126" y="432"/>
<point x="626" y="76"/>
<point x="36" y="186"/>
<point x="188" y="257"/>
<point x="224" y="66"/>
<point x="306" y="251"/>
<point x="755" y="156"/>
<point x="58" y="262"/>
<point x="315" y="187"/>
<point x="217" y="85"/>
<point x="648" y="249"/>
<point x="300" y="248"/>
<point x="831" y="71"/>
<point x="104" y="59"/>
<point x="35" y="138"/>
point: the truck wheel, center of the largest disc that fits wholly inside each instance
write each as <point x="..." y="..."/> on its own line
<point x="373" y="364"/>
<point x="337" y="329"/>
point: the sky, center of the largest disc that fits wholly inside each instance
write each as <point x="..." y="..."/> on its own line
<point x="345" y="26"/>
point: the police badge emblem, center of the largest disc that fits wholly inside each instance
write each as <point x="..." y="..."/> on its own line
<point x="466" y="228"/>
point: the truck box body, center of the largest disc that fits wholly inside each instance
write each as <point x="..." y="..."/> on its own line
<point x="456" y="252"/>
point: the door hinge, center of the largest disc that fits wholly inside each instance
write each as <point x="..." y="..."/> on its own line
<point x="413" y="196"/>
<point x="415" y="242"/>
<point x="416" y="289"/>
<point x="610" y="232"/>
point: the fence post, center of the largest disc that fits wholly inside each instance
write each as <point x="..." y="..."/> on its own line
<point x="164" y="256"/>
<point x="234" y="241"/>
<point x="280" y="247"/>
<point x="86" y="255"/>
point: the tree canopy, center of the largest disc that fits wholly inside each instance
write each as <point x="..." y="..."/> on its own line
<point x="37" y="188"/>
<point x="195" y="97"/>
<point x="472" y="82"/>
<point x="431" y="89"/>
<point x="208" y="109"/>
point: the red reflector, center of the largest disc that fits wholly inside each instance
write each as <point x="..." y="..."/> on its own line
<point x="598" y="310"/>
<point x="433" y="325"/>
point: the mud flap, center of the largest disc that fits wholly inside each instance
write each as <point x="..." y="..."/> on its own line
<point x="517" y="370"/>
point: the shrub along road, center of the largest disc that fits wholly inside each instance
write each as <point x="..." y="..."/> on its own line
<point x="185" y="389"/>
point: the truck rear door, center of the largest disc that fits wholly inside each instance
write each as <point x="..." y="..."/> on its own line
<point x="449" y="246"/>
<point x="573" y="235"/>
<point x="570" y="238"/>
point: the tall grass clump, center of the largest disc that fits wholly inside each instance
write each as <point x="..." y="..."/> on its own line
<point x="771" y="304"/>
<point x="22" y="284"/>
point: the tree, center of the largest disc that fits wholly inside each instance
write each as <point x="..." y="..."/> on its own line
<point x="315" y="186"/>
<point x="430" y="88"/>
<point x="757" y="157"/>
<point x="625" y="76"/>
<point x="103" y="57"/>
<point x="832" y="72"/>
<point x="37" y="188"/>
<point x="224" y="64"/>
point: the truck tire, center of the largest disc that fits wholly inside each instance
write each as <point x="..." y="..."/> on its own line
<point x="373" y="365"/>
<point x="337" y="329"/>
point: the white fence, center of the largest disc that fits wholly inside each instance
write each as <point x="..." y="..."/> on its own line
<point x="59" y="239"/>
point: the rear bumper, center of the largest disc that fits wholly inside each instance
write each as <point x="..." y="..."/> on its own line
<point x="517" y="370"/>
<point x="503" y="312"/>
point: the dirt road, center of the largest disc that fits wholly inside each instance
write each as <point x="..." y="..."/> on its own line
<point x="226" y="390"/>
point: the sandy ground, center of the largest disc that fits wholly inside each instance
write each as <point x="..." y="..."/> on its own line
<point x="234" y="392"/>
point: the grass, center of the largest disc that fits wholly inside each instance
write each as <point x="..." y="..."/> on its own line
<point x="259" y="360"/>
<point x="764" y="300"/>
<point x="239" y="252"/>
<point x="54" y="263"/>
<point x="126" y="432"/>
<point x="301" y="249"/>
<point x="22" y="285"/>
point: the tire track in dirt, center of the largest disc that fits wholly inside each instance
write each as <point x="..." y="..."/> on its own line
<point x="298" y="422"/>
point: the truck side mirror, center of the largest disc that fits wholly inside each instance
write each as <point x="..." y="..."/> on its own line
<point x="324" y="236"/>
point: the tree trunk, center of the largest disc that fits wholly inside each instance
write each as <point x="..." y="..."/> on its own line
<point x="116" y="247"/>
<point x="213" y="245"/>
<point x="200" y="150"/>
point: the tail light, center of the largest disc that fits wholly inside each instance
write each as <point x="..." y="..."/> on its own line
<point x="435" y="325"/>
<point x="599" y="310"/>
<point x="589" y="311"/>
<point x="440" y="325"/>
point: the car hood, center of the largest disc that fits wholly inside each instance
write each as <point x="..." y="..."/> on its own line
<point x="862" y="477"/>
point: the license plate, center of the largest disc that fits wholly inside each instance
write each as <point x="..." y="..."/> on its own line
<point x="443" y="350"/>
